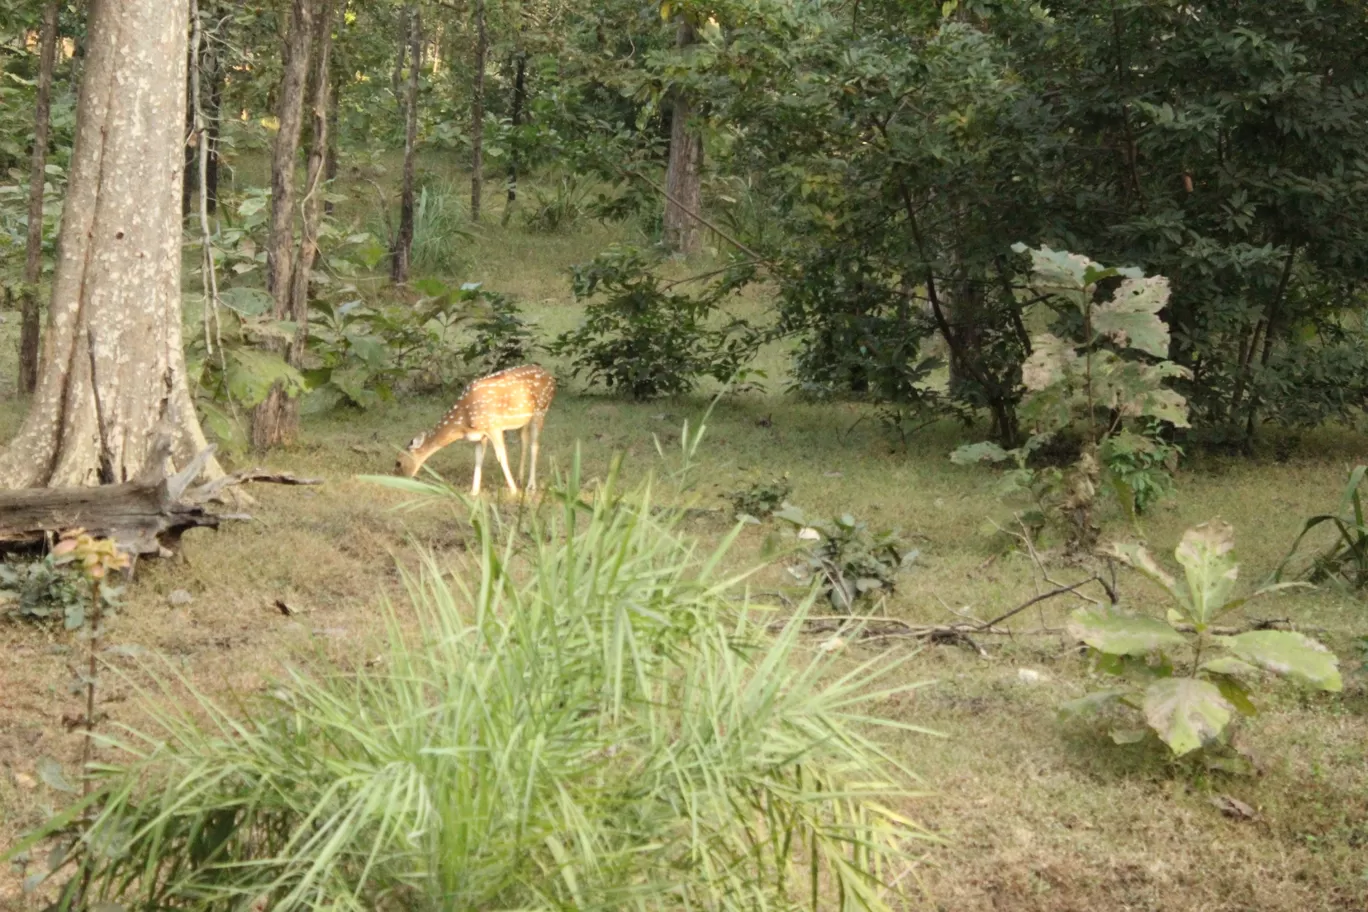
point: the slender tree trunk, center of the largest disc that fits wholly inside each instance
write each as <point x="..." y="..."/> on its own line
<point x="397" y="76"/>
<point x="684" y="176"/>
<point x="437" y="34"/>
<point x="273" y="421"/>
<point x="213" y="64"/>
<point x="33" y="261"/>
<point x="519" y="100"/>
<point x="477" y="112"/>
<point x="330" y="154"/>
<point x="190" y="179"/>
<point x="313" y="199"/>
<point x="402" y="253"/>
<point x="113" y="378"/>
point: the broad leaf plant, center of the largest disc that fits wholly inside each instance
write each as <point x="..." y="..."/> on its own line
<point x="1186" y="681"/>
<point x="1103" y="381"/>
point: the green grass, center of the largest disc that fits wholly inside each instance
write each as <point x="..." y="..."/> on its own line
<point x="588" y="715"/>
<point x="1039" y="814"/>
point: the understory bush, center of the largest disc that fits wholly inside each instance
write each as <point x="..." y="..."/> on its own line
<point x="43" y="591"/>
<point x="1344" y="561"/>
<point x="363" y="353"/>
<point x="584" y="713"/>
<point x="849" y="560"/>
<point x="563" y="206"/>
<point x="441" y="229"/>
<point x="642" y="340"/>
<point x="1185" y="680"/>
<point x="1098" y="381"/>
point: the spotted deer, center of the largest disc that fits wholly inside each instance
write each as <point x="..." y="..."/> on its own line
<point x="509" y="400"/>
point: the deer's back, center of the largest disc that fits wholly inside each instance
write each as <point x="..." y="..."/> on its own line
<point x="509" y="399"/>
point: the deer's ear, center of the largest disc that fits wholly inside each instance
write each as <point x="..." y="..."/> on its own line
<point x="418" y="441"/>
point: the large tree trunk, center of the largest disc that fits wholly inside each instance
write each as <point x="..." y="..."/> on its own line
<point x="33" y="262"/>
<point x="684" y="176"/>
<point x="113" y="363"/>
<point x="519" y="100"/>
<point x="402" y="253"/>
<point x="477" y="113"/>
<point x="276" y="420"/>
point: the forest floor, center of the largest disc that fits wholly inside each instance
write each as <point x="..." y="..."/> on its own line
<point x="1036" y="813"/>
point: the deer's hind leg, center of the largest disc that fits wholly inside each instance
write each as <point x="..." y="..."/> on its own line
<point x="522" y="451"/>
<point x="501" y="451"/>
<point x="535" y="425"/>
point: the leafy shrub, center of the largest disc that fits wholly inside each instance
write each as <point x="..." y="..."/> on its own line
<point x="589" y="722"/>
<point x="500" y="336"/>
<point x="852" y="562"/>
<point x="1104" y="386"/>
<point x="562" y="208"/>
<point x="1187" y="686"/>
<point x="1141" y="466"/>
<point x="639" y="339"/>
<point x="441" y="229"/>
<point x="228" y="348"/>
<point x="42" y="590"/>
<point x="1345" y="561"/>
<point x="363" y="353"/>
<point x="762" y="498"/>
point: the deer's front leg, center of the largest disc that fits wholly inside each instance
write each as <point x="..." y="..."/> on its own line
<point x="479" y="464"/>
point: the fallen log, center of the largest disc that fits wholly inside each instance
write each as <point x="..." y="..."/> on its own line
<point x="146" y="516"/>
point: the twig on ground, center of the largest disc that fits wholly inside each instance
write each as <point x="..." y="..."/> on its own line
<point x="215" y="488"/>
<point x="1058" y="590"/>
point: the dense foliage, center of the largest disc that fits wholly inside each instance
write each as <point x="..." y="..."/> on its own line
<point x="877" y="162"/>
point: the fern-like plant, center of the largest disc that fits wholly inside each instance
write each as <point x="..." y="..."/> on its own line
<point x="587" y="716"/>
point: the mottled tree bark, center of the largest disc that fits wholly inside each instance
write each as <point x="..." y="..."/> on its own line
<point x="275" y="420"/>
<point x="477" y="112"/>
<point x="113" y="375"/>
<point x="402" y="253"/>
<point x="33" y="262"/>
<point x="684" y="176"/>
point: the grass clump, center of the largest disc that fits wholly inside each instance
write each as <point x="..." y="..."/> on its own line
<point x="585" y="715"/>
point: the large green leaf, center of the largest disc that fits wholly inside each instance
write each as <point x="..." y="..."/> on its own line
<point x="1057" y="270"/>
<point x="1207" y="553"/>
<point x="1186" y="713"/>
<point x="1288" y="653"/>
<point x="1094" y="702"/>
<point x="368" y="349"/>
<point x="252" y="373"/>
<point x="1131" y="317"/>
<point x="250" y="302"/>
<point x="1138" y="558"/>
<point x="1049" y="362"/>
<point x="1165" y="405"/>
<point x="1117" y="632"/>
<point x="972" y="453"/>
